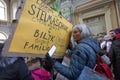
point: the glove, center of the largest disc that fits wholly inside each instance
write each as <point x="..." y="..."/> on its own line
<point x="48" y="62"/>
<point x="50" y="59"/>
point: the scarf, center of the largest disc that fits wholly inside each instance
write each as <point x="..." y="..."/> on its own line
<point x="117" y="36"/>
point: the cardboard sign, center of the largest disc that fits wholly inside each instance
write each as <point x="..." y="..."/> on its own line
<point x="37" y="29"/>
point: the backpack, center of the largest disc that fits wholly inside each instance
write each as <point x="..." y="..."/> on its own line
<point x="101" y="67"/>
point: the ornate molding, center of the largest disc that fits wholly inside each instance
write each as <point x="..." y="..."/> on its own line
<point x="91" y="5"/>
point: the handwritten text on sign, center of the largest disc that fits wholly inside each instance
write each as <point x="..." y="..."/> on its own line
<point x="39" y="28"/>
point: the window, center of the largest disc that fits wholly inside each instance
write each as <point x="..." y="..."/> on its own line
<point x="2" y="10"/>
<point x="3" y="37"/>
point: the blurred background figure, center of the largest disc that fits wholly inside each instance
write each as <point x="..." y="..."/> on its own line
<point x="106" y="43"/>
<point x="112" y="34"/>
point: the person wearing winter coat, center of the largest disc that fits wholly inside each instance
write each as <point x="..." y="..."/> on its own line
<point x="13" y="68"/>
<point x="84" y="54"/>
<point x="114" y="54"/>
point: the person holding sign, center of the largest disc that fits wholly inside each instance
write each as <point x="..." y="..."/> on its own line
<point x="82" y="55"/>
<point x="13" y="68"/>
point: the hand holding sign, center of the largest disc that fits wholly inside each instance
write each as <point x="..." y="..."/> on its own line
<point x="49" y="61"/>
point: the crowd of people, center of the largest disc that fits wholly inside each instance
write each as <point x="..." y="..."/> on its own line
<point x="83" y="54"/>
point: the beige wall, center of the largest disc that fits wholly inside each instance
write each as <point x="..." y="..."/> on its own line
<point x="113" y="16"/>
<point x="108" y="10"/>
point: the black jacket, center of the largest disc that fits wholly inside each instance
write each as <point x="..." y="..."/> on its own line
<point x="114" y="55"/>
<point x="16" y="71"/>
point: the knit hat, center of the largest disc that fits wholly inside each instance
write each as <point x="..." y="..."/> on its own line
<point x="117" y="31"/>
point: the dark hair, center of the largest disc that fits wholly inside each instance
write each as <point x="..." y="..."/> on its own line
<point x="101" y="52"/>
<point x="111" y="30"/>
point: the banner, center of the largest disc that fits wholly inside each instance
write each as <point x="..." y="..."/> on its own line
<point x="38" y="28"/>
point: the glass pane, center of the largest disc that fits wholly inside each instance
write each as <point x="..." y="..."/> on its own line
<point x="2" y="14"/>
<point x="1" y="4"/>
